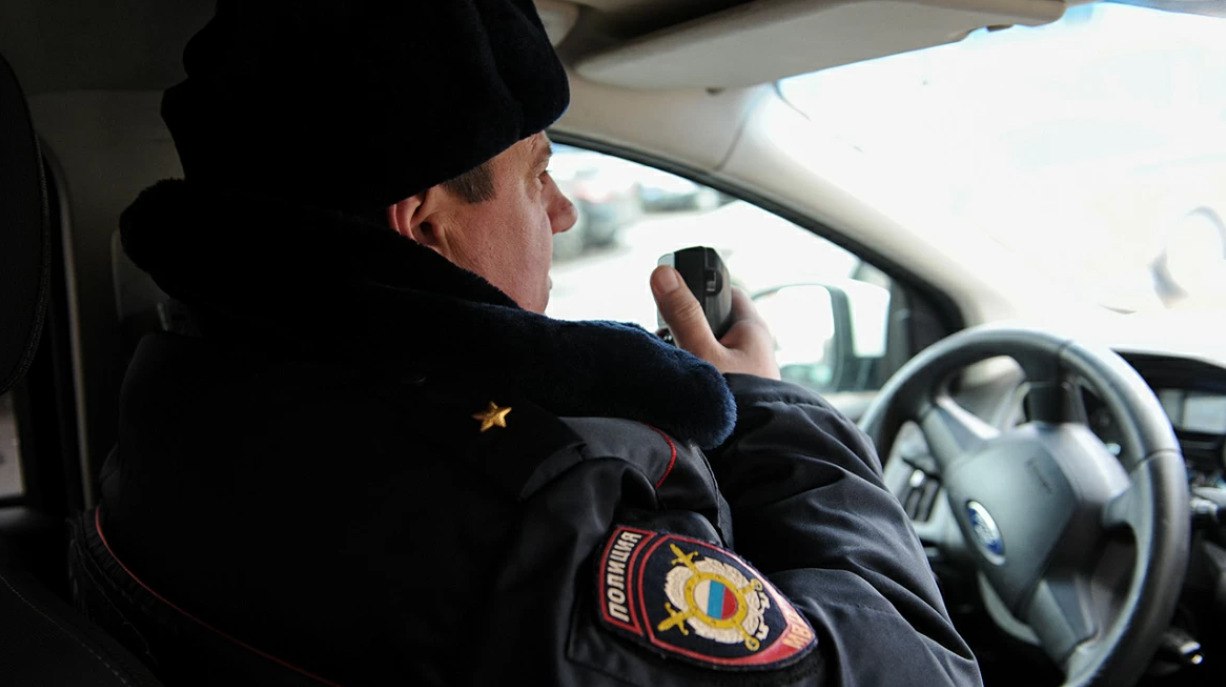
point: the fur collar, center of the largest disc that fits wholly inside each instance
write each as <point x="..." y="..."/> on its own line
<point x="312" y="283"/>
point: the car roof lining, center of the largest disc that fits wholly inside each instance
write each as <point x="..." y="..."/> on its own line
<point x="771" y="39"/>
<point x="66" y="45"/>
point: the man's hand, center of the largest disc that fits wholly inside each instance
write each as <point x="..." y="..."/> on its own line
<point x="747" y="348"/>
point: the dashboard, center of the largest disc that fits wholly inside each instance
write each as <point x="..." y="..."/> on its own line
<point x="1193" y="394"/>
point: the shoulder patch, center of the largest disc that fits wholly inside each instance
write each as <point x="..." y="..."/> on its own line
<point x="689" y="599"/>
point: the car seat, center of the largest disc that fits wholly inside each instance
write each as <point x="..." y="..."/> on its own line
<point x="42" y="639"/>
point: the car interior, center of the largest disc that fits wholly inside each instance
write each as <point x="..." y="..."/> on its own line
<point x="691" y="88"/>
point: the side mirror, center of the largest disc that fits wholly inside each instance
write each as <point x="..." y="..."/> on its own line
<point x="829" y="336"/>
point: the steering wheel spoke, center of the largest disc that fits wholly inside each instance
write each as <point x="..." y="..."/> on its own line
<point x="1062" y="617"/>
<point x="953" y="432"/>
<point x="1127" y="509"/>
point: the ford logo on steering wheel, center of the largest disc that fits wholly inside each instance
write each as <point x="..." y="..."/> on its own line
<point x="987" y="534"/>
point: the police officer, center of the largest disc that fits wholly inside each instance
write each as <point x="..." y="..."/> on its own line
<point x="373" y="460"/>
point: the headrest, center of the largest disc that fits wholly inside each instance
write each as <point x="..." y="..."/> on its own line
<point x="25" y="249"/>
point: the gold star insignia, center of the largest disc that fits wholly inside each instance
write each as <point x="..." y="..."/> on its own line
<point x="492" y="416"/>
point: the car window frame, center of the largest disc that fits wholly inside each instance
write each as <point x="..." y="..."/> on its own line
<point x="935" y="312"/>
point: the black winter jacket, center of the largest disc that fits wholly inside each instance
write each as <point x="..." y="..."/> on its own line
<point x="309" y="474"/>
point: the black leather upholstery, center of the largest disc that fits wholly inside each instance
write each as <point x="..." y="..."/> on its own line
<point x="43" y="641"/>
<point x="184" y="650"/>
<point x="25" y="252"/>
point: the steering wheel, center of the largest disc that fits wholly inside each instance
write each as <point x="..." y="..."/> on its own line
<point x="1076" y="550"/>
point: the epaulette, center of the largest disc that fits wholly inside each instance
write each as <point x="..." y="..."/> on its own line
<point x="515" y="441"/>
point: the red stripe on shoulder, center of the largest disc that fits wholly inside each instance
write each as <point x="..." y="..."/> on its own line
<point x="672" y="460"/>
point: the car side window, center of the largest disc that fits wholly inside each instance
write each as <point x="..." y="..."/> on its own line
<point x="827" y="308"/>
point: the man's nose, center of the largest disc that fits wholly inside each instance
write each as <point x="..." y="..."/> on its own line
<point x="562" y="215"/>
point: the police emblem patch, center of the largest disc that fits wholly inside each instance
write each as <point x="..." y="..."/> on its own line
<point x="687" y="598"/>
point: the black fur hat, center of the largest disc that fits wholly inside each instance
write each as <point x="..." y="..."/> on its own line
<point x="353" y="105"/>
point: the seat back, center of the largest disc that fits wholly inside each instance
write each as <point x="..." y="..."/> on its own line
<point x="106" y="146"/>
<point x="184" y="649"/>
<point x="25" y="246"/>
<point x="42" y="639"/>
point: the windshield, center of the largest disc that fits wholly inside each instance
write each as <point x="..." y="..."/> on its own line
<point x="1093" y="148"/>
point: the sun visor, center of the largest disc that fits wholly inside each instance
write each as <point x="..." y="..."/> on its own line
<point x="767" y="40"/>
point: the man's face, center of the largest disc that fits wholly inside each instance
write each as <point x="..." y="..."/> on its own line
<point x="508" y="239"/>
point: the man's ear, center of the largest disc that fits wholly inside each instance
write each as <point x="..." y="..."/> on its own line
<point x="416" y="218"/>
